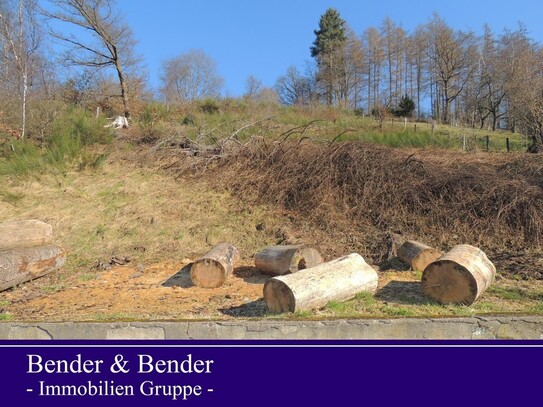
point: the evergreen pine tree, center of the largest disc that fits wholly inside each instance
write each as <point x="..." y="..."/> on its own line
<point x="405" y="108"/>
<point x="327" y="49"/>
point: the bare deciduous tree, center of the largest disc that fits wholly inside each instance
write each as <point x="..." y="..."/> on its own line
<point x="524" y="86"/>
<point x="394" y="38"/>
<point x="374" y="62"/>
<point x="267" y="96"/>
<point x="452" y="61"/>
<point x="19" y="38"/>
<point x="417" y="56"/>
<point x="253" y="87"/>
<point x="294" y="89"/>
<point x="190" y="77"/>
<point x="102" y="40"/>
<point x="351" y="81"/>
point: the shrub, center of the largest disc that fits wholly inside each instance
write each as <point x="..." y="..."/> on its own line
<point x="22" y="157"/>
<point x="69" y="135"/>
<point x="80" y="127"/>
<point x="151" y="116"/>
<point x="209" y="106"/>
<point x="359" y="112"/>
<point x="188" y="120"/>
<point x="405" y="108"/>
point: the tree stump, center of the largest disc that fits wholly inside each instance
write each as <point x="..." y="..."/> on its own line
<point x="279" y="260"/>
<point x="417" y="255"/>
<point x="25" y="233"/>
<point x="212" y="269"/>
<point x="460" y="276"/>
<point x="24" y="264"/>
<point x="340" y="279"/>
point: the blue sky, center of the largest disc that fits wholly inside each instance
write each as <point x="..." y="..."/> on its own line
<point x="262" y="38"/>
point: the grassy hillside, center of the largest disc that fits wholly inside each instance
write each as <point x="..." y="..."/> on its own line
<point x="209" y="120"/>
<point x="180" y="180"/>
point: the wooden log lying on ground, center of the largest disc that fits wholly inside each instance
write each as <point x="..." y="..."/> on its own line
<point x="24" y="264"/>
<point x="25" y="233"/>
<point x="212" y="269"/>
<point x="417" y="255"/>
<point x="460" y="276"/>
<point x="339" y="279"/>
<point x="279" y="260"/>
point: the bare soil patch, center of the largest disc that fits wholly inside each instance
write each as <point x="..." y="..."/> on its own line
<point x="160" y="291"/>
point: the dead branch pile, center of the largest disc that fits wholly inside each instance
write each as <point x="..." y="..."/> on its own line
<point x="390" y="189"/>
<point x="358" y="195"/>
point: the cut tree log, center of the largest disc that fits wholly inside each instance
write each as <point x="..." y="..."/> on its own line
<point x="460" y="276"/>
<point x="24" y="264"/>
<point x="212" y="269"/>
<point x="25" y="233"/>
<point x="279" y="260"/>
<point x="417" y="255"/>
<point x="340" y="279"/>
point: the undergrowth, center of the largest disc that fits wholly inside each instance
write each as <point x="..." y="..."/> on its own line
<point x="439" y="197"/>
<point x="71" y="134"/>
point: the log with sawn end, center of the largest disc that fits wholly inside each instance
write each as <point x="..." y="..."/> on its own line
<point x="340" y="279"/>
<point x="460" y="276"/>
<point x="24" y="264"/>
<point x="279" y="260"/>
<point x="212" y="269"/>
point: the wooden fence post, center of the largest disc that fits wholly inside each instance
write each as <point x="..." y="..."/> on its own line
<point x="487" y="142"/>
<point x="507" y="145"/>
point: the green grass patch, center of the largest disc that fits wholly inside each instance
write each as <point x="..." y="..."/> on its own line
<point x="5" y="316"/>
<point x="462" y="311"/>
<point x="302" y="314"/>
<point x="514" y="294"/>
<point x="398" y="311"/>
<point x="489" y="307"/>
<point x="210" y="120"/>
<point x="365" y="298"/>
<point x="402" y="139"/>
<point x="22" y="158"/>
<point x="537" y="308"/>
<point x="337" y="306"/>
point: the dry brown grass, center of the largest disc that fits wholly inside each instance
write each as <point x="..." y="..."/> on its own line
<point x="341" y="197"/>
<point x="125" y="210"/>
<point x="358" y="193"/>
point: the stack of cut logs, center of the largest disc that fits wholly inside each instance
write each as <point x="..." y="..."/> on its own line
<point x="459" y="276"/>
<point x="27" y="252"/>
<point x="289" y="290"/>
<point x="301" y="280"/>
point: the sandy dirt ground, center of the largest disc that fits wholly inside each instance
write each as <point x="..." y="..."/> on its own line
<point x="162" y="291"/>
